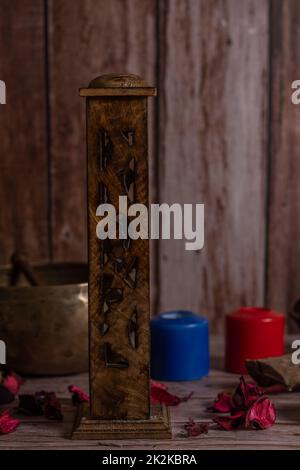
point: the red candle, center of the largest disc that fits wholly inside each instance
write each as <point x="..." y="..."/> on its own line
<point x="252" y="333"/>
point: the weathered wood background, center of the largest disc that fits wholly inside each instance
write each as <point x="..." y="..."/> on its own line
<point x="223" y="132"/>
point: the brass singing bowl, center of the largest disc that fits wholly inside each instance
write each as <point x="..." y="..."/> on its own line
<point x="45" y="327"/>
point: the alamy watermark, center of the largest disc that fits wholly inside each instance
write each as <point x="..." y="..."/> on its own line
<point x="2" y="353"/>
<point x="187" y="221"/>
<point x="296" y="354"/>
<point x="2" y="92"/>
<point x="2" y="344"/>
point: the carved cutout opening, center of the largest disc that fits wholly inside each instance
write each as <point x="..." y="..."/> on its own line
<point x="130" y="276"/>
<point x="114" y="359"/>
<point x="126" y="244"/>
<point x="114" y="295"/>
<point x="133" y="330"/>
<point x="128" y="135"/>
<point x="109" y="294"/>
<point x="105" y="252"/>
<point x="128" y="180"/>
<point x="119" y="265"/>
<point x="105" y="148"/>
<point x="103" y="194"/>
<point x="104" y="327"/>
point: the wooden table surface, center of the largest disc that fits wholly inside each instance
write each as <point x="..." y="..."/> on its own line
<point x="39" y="433"/>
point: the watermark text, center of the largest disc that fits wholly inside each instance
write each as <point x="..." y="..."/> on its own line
<point x="165" y="221"/>
<point x="2" y="353"/>
<point x="2" y="92"/>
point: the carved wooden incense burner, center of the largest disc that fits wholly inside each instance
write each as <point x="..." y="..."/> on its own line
<point x="119" y="309"/>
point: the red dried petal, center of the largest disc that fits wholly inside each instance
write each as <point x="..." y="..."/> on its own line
<point x="195" y="429"/>
<point x="222" y="404"/>
<point x="7" y="423"/>
<point x="230" y="423"/>
<point x="261" y="415"/>
<point x="159" y="394"/>
<point x="276" y="388"/>
<point x="12" y="382"/>
<point x="52" y="407"/>
<point x="78" y="395"/>
<point x="158" y="385"/>
<point x="245" y="394"/>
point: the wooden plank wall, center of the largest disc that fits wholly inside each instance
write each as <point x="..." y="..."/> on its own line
<point x="284" y="196"/>
<point x="23" y="133"/>
<point x="86" y="38"/>
<point x="213" y="80"/>
<point x="215" y="136"/>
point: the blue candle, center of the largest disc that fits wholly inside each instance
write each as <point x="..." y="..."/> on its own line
<point x="179" y="346"/>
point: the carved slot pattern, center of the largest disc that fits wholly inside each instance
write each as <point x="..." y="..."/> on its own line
<point x="126" y="244"/>
<point x="103" y="194"/>
<point x="109" y="294"/>
<point x="114" y="295"/>
<point x="128" y="180"/>
<point x="113" y="251"/>
<point x="130" y="276"/>
<point x="129" y="272"/>
<point x="119" y="265"/>
<point x="114" y="359"/>
<point x="128" y="135"/>
<point x="104" y="327"/>
<point x="133" y="330"/>
<point x="105" y="252"/>
<point x="117" y="248"/>
<point x="105" y="148"/>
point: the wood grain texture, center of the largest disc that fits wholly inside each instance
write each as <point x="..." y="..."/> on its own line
<point x="157" y="427"/>
<point x="119" y="310"/>
<point x="87" y="38"/>
<point x="38" y="433"/>
<point x="117" y="92"/>
<point x="284" y="200"/>
<point x="23" y="155"/>
<point x="213" y="128"/>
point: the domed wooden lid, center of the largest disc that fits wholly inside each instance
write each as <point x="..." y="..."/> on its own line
<point x="121" y="84"/>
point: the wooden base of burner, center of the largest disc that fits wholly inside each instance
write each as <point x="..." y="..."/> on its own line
<point x="157" y="427"/>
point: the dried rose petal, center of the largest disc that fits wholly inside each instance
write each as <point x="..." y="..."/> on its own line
<point x="154" y="383"/>
<point x="9" y="385"/>
<point x="230" y="423"/>
<point x="52" y="407"/>
<point x="245" y="394"/>
<point x="248" y="407"/>
<point x="12" y="382"/>
<point x="7" y="423"/>
<point x="159" y="394"/>
<point x="30" y="405"/>
<point x="276" y="388"/>
<point x="261" y="415"/>
<point x="78" y="395"/>
<point x="195" y="429"/>
<point x="222" y="404"/>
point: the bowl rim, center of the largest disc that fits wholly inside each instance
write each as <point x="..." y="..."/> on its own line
<point x="44" y="287"/>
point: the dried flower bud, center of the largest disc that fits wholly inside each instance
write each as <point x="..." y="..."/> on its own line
<point x="261" y="414"/>
<point x="78" y="395"/>
<point x="245" y="394"/>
